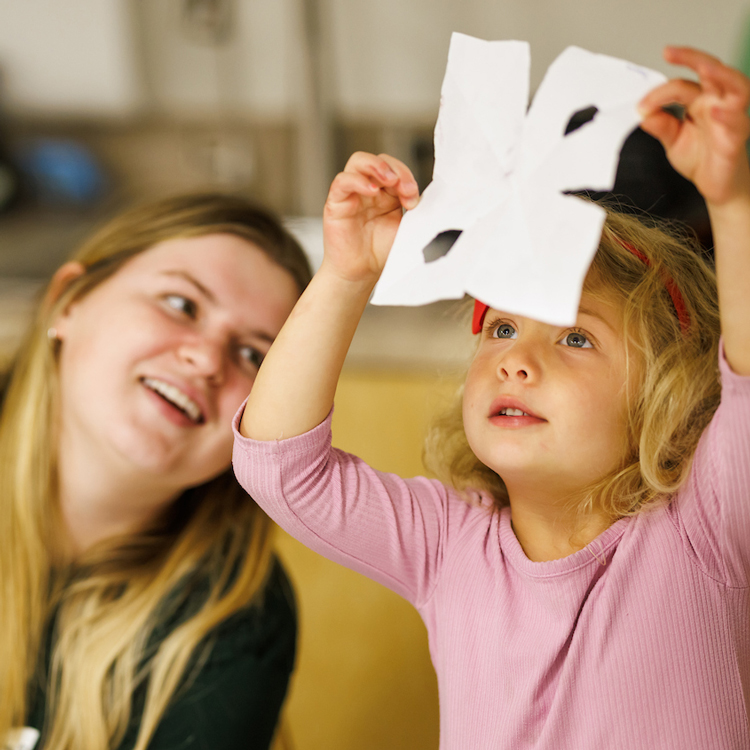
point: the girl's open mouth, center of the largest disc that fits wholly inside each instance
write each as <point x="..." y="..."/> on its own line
<point x="509" y="412"/>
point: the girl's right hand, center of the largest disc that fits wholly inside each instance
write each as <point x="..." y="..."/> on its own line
<point x="362" y="214"/>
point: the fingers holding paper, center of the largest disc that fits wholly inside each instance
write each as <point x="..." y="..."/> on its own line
<point x="706" y="145"/>
<point x="294" y="389"/>
<point x="363" y="212"/>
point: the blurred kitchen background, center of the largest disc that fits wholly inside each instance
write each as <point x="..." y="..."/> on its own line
<point x="103" y="102"/>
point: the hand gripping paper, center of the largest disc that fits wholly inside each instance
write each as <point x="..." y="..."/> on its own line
<point x="500" y="176"/>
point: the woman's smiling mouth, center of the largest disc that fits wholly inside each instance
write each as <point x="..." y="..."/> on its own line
<point x="175" y="397"/>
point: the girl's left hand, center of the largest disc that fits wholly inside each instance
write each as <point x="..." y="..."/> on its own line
<point x="708" y="145"/>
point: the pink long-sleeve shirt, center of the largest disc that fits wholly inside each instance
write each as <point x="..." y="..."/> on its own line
<point x="639" y="640"/>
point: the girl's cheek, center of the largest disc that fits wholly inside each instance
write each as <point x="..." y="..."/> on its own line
<point x="469" y="404"/>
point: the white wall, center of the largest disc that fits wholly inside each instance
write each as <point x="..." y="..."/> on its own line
<point x="388" y="57"/>
<point x="254" y="72"/>
<point x="68" y="57"/>
<point x="395" y="50"/>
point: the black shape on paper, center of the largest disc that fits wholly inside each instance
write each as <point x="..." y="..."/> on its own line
<point x="581" y="118"/>
<point x="441" y="245"/>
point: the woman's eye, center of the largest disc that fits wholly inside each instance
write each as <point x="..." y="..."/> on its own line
<point x="251" y="355"/>
<point x="182" y="304"/>
<point x="577" y="340"/>
<point x="504" y="331"/>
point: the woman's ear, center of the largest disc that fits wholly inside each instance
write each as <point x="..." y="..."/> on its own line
<point x="63" y="278"/>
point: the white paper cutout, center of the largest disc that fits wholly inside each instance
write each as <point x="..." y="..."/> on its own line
<point x="499" y="176"/>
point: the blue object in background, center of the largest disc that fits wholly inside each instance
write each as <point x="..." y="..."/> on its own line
<point x="62" y="171"/>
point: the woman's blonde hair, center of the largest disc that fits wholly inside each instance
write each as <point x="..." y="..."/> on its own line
<point x="676" y="372"/>
<point x="106" y="607"/>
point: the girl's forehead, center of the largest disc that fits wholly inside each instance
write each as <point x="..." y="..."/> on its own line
<point x="600" y="305"/>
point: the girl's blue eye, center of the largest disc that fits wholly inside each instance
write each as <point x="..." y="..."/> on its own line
<point x="182" y="304"/>
<point x="577" y="340"/>
<point x="505" y="331"/>
<point x="251" y="355"/>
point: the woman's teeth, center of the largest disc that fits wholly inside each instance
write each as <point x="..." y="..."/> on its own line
<point x="175" y="396"/>
<point x="508" y="412"/>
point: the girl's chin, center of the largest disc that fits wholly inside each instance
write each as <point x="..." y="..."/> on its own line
<point x="513" y="462"/>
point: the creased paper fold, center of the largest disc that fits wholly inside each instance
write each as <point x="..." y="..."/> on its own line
<point x="501" y="174"/>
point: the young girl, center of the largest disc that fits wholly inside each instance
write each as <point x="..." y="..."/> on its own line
<point x="140" y="603"/>
<point x="589" y="586"/>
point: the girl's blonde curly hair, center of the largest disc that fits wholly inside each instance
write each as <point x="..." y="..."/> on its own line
<point x="675" y="373"/>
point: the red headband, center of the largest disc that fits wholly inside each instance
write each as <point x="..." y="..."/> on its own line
<point x="480" y="309"/>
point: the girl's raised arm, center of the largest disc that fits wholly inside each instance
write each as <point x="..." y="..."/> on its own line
<point x="295" y="387"/>
<point x="708" y="146"/>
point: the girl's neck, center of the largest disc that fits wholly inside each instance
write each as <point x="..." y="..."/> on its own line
<point x="549" y="530"/>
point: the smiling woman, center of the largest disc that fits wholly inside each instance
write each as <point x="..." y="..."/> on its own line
<point x="141" y="604"/>
<point x="153" y="364"/>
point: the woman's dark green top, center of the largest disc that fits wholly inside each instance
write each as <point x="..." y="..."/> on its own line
<point x="235" y="698"/>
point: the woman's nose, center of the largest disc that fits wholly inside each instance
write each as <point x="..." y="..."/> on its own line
<point x="205" y="358"/>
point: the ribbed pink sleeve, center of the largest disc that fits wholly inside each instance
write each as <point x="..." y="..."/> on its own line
<point x="390" y="529"/>
<point x="640" y="640"/>
<point x="714" y="507"/>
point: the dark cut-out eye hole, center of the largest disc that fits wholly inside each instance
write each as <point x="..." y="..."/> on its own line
<point x="676" y="110"/>
<point x="441" y="245"/>
<point x="580" y="118"/>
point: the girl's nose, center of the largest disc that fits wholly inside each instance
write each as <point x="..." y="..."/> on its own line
<point x="519" y="363"/>
<point x="507" y="373"/>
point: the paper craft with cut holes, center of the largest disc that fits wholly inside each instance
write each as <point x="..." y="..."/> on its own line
<point x="495" y="221"/>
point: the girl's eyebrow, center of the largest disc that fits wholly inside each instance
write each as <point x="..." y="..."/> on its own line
<point x="190" y="278"/>
<point x="592" y="313"/>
